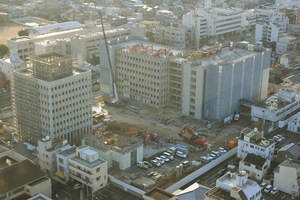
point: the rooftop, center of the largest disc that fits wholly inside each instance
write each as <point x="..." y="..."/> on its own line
<point x="255" y="159"/>
<point x="160" y="194"/>
<point x="291" y="163"/>
<point x="19" y="174"/>
<point x="87" y="163"/>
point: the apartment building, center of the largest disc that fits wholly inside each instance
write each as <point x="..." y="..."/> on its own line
<point x="234" y="186"/>
<point x="251" y="141"/>
<point x="46" y="154"/>
<point x="62" y="163"/>
<point x="52" y="98"/>
<point x="286" y="177"/>
<point x="88" y="169"/>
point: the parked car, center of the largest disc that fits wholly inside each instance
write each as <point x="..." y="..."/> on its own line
<point x="268" y="188"/>
<point x="263" y="185"/>
<point x="142" y="165"/>
<point x="186" y="163"/>
<point x="204" y="159"/>
<point x="216" y="152"/>
<point x="277" y="139"/>
<point x="181" y="154"/>
<point x="165" y="158"/>
<point x="159" y="159"/>
<point x="222" y="150"/>
<point x="170" y="156"/>
<point x="274" y="191"/>
<point x="281" y="137"/>
<point x="214" y="156"/>
<point x="155" y="163"/>
<point x="77" y="186"/>
<point x="148" y="163"/>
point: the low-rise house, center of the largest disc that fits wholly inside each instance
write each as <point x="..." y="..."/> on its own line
<point x="255" y="165"/>
<point x="234" y="186"/>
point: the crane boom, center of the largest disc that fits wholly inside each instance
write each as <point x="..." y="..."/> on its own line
<point x="115" y="99"/>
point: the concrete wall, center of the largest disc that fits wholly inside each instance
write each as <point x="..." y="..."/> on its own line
<point x="127" y="187"/>
<point x="201" y="171"/>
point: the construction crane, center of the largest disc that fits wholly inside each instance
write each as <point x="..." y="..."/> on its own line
<point x="115" y="99"/>
<point x="197" y="140"/>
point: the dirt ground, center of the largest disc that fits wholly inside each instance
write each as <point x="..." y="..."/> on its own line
<point x="9" y="30"/>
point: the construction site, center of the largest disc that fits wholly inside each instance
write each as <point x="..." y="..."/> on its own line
<point x="144" y="135"/>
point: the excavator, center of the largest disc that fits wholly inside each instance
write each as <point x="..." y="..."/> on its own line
<point x="155" y="137"/>
<point x="196" y="140"/>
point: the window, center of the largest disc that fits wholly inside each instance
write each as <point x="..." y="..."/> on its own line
<point x="98" y="169"/>
<point x="98" y="178"/>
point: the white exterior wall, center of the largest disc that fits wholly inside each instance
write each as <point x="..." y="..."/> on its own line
<point x="7" y="66"/>
<point x="58" y="111"/>
<point x="245" y="147"/>
<point x="62" y="162"/>
<point x="253" y="172"/>
<point x="286" y="179"/>
<point x="43" y="187"/>
<point x="92" y="176"/>
<point x="294" y="125"/>
<point x="258" y="32"/>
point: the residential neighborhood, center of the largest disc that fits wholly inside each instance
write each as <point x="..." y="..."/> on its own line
<point x="149" y="100"/>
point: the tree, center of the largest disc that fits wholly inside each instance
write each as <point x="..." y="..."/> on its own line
<point x="150" y="35"/>
<point x="23" y="32"/>
<point x="3" y="50"/>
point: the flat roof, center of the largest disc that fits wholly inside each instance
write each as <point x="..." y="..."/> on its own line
<point x="89" y="152"/>
<point x="291" y="163"/>
<point x="160" y="194"/>
<point x="19" y="174"/>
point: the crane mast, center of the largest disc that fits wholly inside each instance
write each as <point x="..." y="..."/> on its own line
<point x="115" y="100"/>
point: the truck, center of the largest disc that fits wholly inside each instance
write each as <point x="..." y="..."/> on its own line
<point x="231" y="144"/>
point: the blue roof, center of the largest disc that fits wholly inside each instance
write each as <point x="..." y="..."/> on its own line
<point x="62" y="26"/>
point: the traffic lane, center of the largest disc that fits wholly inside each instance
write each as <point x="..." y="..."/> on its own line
<point x="64" y="191"/>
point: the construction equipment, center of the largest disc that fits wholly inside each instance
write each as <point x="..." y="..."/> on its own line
<point x="115" y="100"/>
<point x="231" y="144"/>
<point x="135" y="130"/>
<point x="155" y="137"/>
<point x="197" y="140"/>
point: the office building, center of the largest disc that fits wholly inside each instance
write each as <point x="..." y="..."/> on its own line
<point x="52" y="98"/>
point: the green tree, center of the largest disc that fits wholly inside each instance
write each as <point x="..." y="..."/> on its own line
<point x="3" y="50"/>
<point x="150" y="35"/>
<point x="23" y="32"/>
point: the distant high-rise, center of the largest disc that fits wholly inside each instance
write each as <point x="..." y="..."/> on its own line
<point x="52" y="98"/>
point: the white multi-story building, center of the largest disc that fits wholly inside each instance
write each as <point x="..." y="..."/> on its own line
<point x="286" y="42"/>
<point x="255" y="165"/>
<point x="7" y="66"/>
<point x="234" y="186"/>
<point x="212" y="21"/>
<point x="287" y="177"/>
<point x="46" y="154"/>
<point x="251" y="141"/>
<point x="52" y="98"/>
<point x="84" y="41"/>
<point x="274" y="109"/>
<point x="234" y="72"/>
<point x="62" y="163"/>
<point x="175" y="37"/>
<point x="88" y="169"/>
